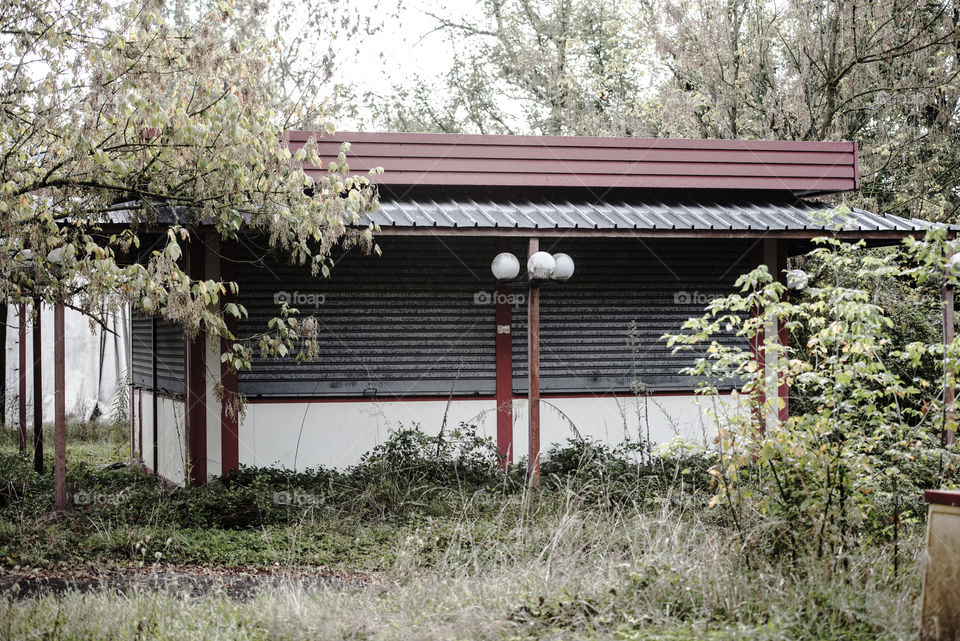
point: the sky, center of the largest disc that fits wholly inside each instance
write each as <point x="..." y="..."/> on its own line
<point x="401" y="48"/>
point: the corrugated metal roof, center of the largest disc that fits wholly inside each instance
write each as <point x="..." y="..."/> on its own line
<point x="649" y="213"/>
<point x="748" y="214"/>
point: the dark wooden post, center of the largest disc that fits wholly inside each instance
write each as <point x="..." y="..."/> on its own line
<point x="196" y="392"/>
<point x="37" y="390"/>
<point x="59" y="411"/>
<point x="22" y="375"/>
<point x="533" y="368"/>
<point x="946" y="294"/>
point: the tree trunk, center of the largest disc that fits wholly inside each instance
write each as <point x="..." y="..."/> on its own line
<point x="37" y="392"/>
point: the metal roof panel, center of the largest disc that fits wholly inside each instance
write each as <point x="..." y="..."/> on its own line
<point x="694" y="214"/>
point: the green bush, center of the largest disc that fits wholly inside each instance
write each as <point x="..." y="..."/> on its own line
<point x="865" y="430"/>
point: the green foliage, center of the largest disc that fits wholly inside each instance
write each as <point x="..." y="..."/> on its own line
<point x="881" y="72"/>
<point x="176" y="124"/>
<point x="118" y="513"/>
<point x="864" y="438"/>
<point x="600" y="474"/>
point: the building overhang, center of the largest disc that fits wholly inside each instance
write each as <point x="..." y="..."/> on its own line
<point x="450" y="160"/>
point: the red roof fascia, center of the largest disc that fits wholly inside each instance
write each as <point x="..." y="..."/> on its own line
<point x="567" y="161"/>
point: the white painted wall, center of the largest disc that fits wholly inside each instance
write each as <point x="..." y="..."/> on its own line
<point x="96" y="363"/>
<point x="613" y="420"/>
<point x="171" y="439"/>
<point x="147" y="427"/>
<point x="337" y="434"/>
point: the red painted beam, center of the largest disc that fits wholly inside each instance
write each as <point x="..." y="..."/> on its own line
<point x="532" y="161"/>
<point x="229" y="419"/>
<point x="942" y="497"/>
<point x="59" y="411"/>
<point x="140" y="421"/>
<point x="570" y="141"/>
<point x="533" y="375"/>
<point x="37" y="390"/>
<point x="504" y="351"/>
<point x="196" y="387"/>
<point x="22" y="375"/>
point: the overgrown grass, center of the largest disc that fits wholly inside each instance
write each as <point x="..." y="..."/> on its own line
<point x="566" y="571"/>
<point x="608" y="549"/>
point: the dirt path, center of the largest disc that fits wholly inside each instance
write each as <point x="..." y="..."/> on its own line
<point x="193" y="581"/>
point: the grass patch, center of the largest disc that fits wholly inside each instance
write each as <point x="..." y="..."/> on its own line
<point x="609" y="549"/>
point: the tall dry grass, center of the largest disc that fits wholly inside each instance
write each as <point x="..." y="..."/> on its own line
<point x="553" y="565"/>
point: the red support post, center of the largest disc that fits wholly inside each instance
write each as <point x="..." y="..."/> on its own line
<point x="533" y="366"/>
<point x="140" y="425"/>
<point x="154" y="384"/>
<point x="196" y="387"/>
<point x="59" y="411"/>
<point x="229" y="419"/>
<point x="37" y="391"/>
<point x="504" y="352"/>
<point x="22" y="375"/>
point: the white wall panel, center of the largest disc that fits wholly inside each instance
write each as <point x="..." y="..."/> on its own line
<point x="337" y="434"/>
<point x="147" y="428"/>
<point x="171" y="439"/>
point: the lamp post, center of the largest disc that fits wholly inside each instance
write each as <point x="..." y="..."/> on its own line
<point x="541" y="267"/>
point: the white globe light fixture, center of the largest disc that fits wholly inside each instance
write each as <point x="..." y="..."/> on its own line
<point x="953" y="266"/>
<point x="505" y="266"/>
<point x="541" y="266"/>
<point x="797" y="279"/>
<point x="564" y="268"/>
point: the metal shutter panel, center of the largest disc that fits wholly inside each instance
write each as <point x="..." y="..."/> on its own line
<point x="585" y="322"/>
<point x="404" y="323"/>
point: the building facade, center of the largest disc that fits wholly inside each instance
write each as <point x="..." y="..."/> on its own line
<point x="424" y="335"/>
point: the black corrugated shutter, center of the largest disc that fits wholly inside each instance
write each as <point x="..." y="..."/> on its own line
<point x="406" y="322"/>
<point x="171" y="358"/>
<point x="170" y="352"/>
<point x="585" y="323"/>
<point x="142" y="348"/>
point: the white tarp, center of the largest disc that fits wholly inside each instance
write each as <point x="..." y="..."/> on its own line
<point x="96" y="363"/>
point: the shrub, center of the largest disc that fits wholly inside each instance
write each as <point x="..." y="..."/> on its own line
<point x="866" y="428"/>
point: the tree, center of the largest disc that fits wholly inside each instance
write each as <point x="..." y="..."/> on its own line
<point x="120" y="111"/>
<point x="541" y="66"/>
<point x="883" y="72"/>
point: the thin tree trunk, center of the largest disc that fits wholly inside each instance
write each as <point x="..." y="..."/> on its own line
<point x="37" y="391"/>
<point x="60" y="411"/>
<point x="22" y="378"/>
